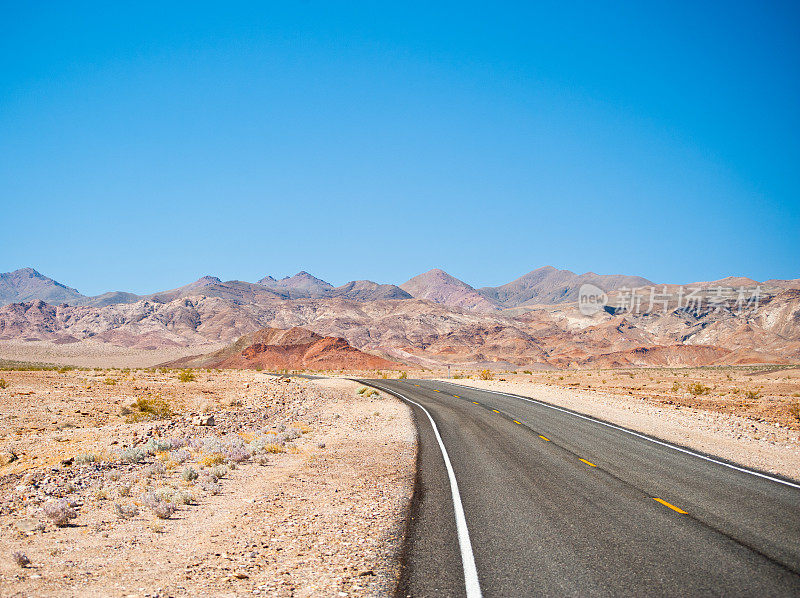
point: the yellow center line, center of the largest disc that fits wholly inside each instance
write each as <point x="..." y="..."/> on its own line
<point x="434" y="390"/>
<point x="456" y="397"/>
<point x="476" y="402"/>
<point x="673" y="507"/>
<point x="544" y="438"/>
<point x="495" y="410"/>
<point x="516" y="422"/>
<point x="588" y="463"/>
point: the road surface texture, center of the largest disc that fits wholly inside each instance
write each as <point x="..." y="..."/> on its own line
<point x="518" y="498"/>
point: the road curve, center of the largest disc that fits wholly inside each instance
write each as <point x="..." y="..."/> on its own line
<point x="559" y="504"/>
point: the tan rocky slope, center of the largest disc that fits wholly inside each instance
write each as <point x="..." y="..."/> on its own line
<point x="296" y="348"/>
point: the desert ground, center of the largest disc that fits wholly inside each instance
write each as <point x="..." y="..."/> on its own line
<point x="149" y="483"/>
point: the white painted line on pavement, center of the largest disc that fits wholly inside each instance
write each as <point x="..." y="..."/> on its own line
<point x="467" y="558"/>
<point x="648" y="438"/>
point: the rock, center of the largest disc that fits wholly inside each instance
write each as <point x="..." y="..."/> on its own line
<point x="204" y="420"/>
<point x="26" y="525"/>
<point x="68" y="462"/>
<point x="7" y="457"/>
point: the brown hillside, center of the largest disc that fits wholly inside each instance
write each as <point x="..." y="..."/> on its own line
<point x="296" y="348"/>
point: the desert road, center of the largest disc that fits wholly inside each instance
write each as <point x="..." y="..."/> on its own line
<point x="518" y="498"/>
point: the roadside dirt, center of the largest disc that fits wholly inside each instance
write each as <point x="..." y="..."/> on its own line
<point x="301" y="489"/>
<point x="764" y="445"/>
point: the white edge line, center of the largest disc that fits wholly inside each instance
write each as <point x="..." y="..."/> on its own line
<point x="662" y="443"/>
<point x="467" y="558"/>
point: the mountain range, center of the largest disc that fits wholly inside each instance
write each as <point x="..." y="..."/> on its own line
<point x="432" y="319"/>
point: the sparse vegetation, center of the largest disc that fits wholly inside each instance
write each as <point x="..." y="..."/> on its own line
<point x="59" y="512"/>
<point x="752" y="394"/>
<point x="85" y="458"/>
<point x="486" y="375"/>
<point x="189" y="474"/>
<point x="186" y="376"/>
<point x="3" y="383"/>
<point x="147" y="408"/>
<point x="697" y="389"/>
<point x="110" y="381"/>
<point x="125" y="511"/>
<point x="403" y="375"/>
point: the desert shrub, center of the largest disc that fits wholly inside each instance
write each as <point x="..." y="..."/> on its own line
<point x="697" y="389"/>
<point x="486" y="375"/>
<point x="160" y="508"/>
<point x="110" y="381"/>
<point x="457" y="376"/>
<point x="218" y="471"/>
<point x="527" y="372"/>
<point x="212" y="444"/>
<point x="362" y="390"/>
<point x="675" y="386"/>
<point x="212" y="459"/>
<point x="274" y="447"/>
<point x="186" y="376"/>
<point x="263" y="460"/>
<point x="125" y="512"/>
<point x="189" y="474"/>
<point x="59" y="512"/>
<point x="794" y="410"/>
<point x="182" y="497"/>
<point x="100" y="494"/>
<point x="159" y="445"/>
<point x="124" y="490"/>
<point x="155" y="470"/>
<point x="181" y="455"/>
<point x="4" y="384"/>
<point x="147" y="408"/>
<point x="403" y="375"/>
<point x="237" y="454"/>
<point x="85" y="458"/>
<point x="210" y="486"/>
<point x="65" y="369"/>
<point x="164" y="494"/>
<point x="20" y="558"/>
<point x="133" y="454"/>
<point x="752" y="394"/>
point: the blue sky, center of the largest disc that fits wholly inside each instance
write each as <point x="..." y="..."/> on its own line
<point x="143" y="146"/>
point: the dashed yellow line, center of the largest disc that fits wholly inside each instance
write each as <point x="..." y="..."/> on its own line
<point x="673" y="507"/>
<point x="544" y="438"/>
<point x="516" y="422"/>
<point x="495" y="410"/>
<point x="476" y="402"/>
<point x="434" y="390"/>
<point x="456" y="397"/>
<point x="588" y="462"/>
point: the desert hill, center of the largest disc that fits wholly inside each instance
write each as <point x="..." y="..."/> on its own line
<point x="438" y="286"/>
<point x="295" y="348"/>
<point x="26" y="284"/>
<point x="547" y="285"/>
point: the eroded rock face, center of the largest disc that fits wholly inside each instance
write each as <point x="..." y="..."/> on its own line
<point x="421" y="331"/>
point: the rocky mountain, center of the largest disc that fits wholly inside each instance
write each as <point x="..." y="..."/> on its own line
<point x="295" y="348"/>
<point x="27" y="284"/>
<point x="438" y="286"/>
<point x="426" y="333"/>
<point x="547" y="286"/>
<point x="300" y="286"/>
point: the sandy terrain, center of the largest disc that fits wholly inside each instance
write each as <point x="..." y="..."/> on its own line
<point x="708" y="424"/>
<point x="95" y="354"/>
<point x="307" y="496"/>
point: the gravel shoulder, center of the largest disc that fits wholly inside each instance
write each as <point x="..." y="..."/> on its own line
<point x="319" y="511"/>
<point x="761" y="445"/>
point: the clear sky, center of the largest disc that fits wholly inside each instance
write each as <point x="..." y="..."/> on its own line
<point x="145" y="145"/>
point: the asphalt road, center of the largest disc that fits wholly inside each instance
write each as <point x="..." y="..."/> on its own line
<point x="561" y="505"/>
